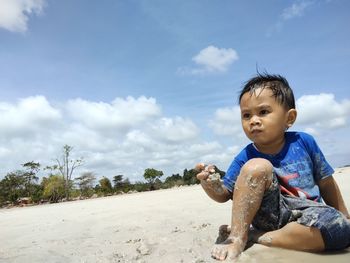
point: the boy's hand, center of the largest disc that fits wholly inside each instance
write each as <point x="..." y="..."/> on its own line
<point x="204" y="171"/>
<point x="209" y="178"/>
<point x="211" y="183"/>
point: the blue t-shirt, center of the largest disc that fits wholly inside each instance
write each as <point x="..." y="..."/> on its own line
<point x="298" y="166"/>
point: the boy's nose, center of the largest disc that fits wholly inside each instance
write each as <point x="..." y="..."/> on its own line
<point x="254" y="120"/>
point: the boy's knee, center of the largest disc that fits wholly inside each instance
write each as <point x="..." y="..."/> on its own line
<point x="258" y="168"/>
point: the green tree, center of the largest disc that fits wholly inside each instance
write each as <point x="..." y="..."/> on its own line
<point x="157" y="184"/>
<point x="30" y="178"/>
<point x="85" y="183"/>
<point x="171" y="181"/>
<point x="151" y="175"/>
<point x="105" y="186"/>
<point x="190" y="177"/>
<point x="12" y="186"/>
<point x="21" y="183"/>
<point x="127" y="186"/>
<point x="37" y="193"/>
<point x="54" y="188"/>
<point x="66" y="166"/>
<point x="118" y="182"/>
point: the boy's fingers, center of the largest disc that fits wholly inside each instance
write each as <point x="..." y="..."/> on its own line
<point x="210" y="168"/>
<point x="199" y="167"/>
<point x="204" y="170"/>
<point x="203" y="175"/>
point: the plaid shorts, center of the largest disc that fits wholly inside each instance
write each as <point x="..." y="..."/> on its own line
<point x="277" y="210"/>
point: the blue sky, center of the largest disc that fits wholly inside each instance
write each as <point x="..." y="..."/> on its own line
<point x="150" y="83"/>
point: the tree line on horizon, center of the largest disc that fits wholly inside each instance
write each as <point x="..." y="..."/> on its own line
<point x="23" y="186"/>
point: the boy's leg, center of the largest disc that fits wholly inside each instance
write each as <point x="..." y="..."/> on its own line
<point x="255" y="178"/>
<point x="318" y="227"/>
<point x="293" y="236"/>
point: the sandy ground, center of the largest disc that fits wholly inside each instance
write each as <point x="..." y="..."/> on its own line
<point x="174" y="225"/>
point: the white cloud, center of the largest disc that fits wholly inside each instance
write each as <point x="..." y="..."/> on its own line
<point x="119" y="116"/>
<point x="28" y="116"/>
<point x="14" y="14"/>
<point x="295" y="10"/>
<point x="124" y="136"/>
<point x="227" y="121"/>
<point x="215" y="59"/>
<point x="215" y="153"/>
<point x="175" y="130"/>
<point x="311" y="131"/>
<point x="205" y="148"/>
<point x="140" y="139"/>
<point x="211" y="60"/>
<point x="322" y="111"/>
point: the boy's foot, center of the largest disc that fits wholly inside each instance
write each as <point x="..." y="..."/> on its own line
<point x="253" y="235"/>
<point x="230" y="249"/>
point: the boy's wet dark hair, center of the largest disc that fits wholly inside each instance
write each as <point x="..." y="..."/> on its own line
<point x="276" y="83"/>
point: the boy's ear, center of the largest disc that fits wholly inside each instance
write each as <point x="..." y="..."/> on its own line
<point x="291" y="117"/>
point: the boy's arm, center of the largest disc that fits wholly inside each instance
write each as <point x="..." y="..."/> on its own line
<point x="213" y="188"/>
<point x="332" y="196"/>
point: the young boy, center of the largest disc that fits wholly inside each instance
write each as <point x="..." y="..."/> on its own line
<point x="278" y="182"/>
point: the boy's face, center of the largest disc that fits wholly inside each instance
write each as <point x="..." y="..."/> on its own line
<point x="264" y="120"/>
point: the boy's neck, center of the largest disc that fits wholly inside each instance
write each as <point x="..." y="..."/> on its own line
<point x="271" y="149"/>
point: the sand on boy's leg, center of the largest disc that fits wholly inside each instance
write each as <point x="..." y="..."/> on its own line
<point x="255" y="178"/>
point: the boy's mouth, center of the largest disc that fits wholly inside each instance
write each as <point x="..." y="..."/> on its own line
<point x="255" y="131"/>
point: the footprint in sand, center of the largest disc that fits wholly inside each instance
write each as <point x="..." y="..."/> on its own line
<point x="143" y="248"/>
<point x="202" y="226"/>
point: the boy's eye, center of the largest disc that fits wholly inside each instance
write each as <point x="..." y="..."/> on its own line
<point x="264" y="112"/>
<point x="245" y="115"/>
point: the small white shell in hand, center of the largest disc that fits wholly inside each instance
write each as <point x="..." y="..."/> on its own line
<point x="214" y="177"/>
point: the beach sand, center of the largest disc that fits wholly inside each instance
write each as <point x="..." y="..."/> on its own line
<point x="173" y="225"/>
